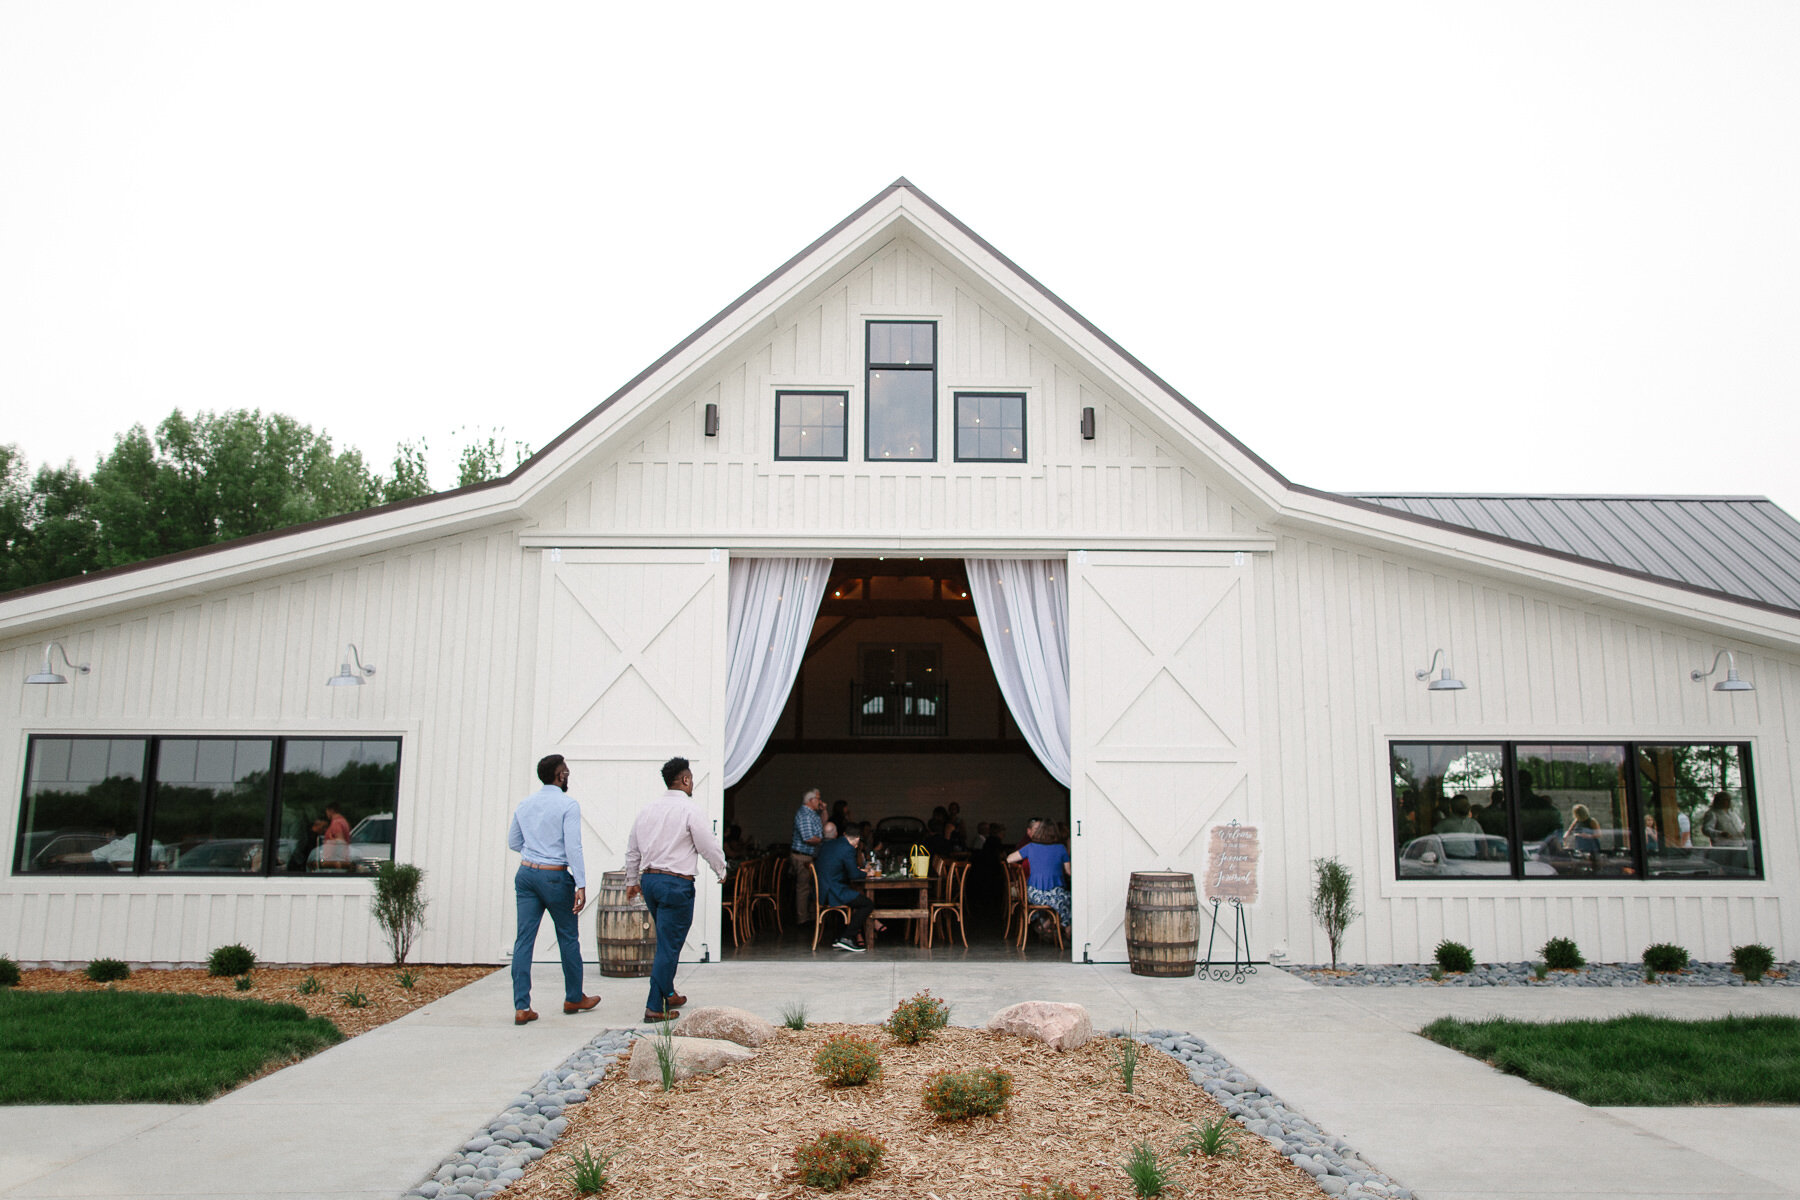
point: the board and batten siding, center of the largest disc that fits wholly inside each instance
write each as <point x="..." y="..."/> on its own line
<point x="1346" y="627"/>
<point x="450" y="625"/>
<point x="667" y="478"/>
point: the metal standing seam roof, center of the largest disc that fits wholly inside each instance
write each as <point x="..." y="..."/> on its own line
<point x="1745" y="547"/>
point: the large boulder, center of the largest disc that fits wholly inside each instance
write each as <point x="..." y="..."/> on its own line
<point x="693" y="1056"/>
<point x="1059" y="1026"/>
<point x="727" y="1023"/>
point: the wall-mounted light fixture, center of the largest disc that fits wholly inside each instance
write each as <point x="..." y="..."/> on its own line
<point x="712" y="420"/>
<point x="1731" y="682"/>
<point x="345" y="676"/>
<point x="48" y="676"/>
<point x="1443" y="683"/>
<point x="1087" y="424"/>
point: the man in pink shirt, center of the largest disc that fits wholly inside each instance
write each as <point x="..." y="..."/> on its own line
<point x="667" y="840"/>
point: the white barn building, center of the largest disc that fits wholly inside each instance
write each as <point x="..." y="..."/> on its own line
<point x="900" y="417"/>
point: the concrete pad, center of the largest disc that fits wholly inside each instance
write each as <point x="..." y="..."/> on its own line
<point x="1758" y="1141"/>
<point x="38" y="1139"/>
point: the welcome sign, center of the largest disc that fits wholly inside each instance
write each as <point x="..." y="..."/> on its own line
<point x="1232" y="856"/>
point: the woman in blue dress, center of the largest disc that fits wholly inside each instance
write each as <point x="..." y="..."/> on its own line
<point x="1048" y="881"/>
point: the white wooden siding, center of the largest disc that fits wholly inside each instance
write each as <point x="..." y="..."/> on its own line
<point x="450" y="625"/>
<point x="665" y="478"/>
<point x="1346" y="628"/>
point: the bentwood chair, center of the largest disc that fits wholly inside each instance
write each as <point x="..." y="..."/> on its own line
<point x="736" y="903"/>
<point x="819" y="910"/>
<point x="950" y="904"/>
<point x="1016" y="875"/>
<point x="767" y="889"/>
<point x="1031" y="909"/>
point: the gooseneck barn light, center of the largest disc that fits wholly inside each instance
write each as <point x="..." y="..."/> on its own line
<point x="1443" y="683"/>
<point x="49" y="676"/>
<point x="1731" y="682"/>
<point x="345" y="676"/>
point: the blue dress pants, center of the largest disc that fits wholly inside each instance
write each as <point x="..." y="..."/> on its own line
<point x="540" y="892"/>
<point x="671" y="904"/>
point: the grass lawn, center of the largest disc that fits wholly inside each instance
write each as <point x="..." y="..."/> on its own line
<point x="137" y="1048"/>
<point x="1640" y="1060"/>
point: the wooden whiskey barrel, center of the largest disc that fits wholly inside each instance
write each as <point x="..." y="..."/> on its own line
<point x="1162" y="924"/>
<point x="623" y="930"/>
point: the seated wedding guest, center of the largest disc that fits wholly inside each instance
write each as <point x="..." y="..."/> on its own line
<point x="1048" y="881"/>
<point x="980" y="838"/>
<point x="838" y="874"/>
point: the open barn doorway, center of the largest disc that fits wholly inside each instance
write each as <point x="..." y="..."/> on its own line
<point x="897" y="719"/>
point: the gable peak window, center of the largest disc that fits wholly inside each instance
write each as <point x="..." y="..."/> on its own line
<point x="901" y="393"/>
<point x="811" y="424"/>
<point x="990" y="427"/>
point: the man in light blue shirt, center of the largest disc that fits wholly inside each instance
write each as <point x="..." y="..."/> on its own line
<point x="552" y="878"/>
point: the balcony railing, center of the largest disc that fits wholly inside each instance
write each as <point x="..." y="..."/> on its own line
<point x="900" y="710"/>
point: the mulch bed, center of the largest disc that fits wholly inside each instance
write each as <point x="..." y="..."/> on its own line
<point x="733" y="1134"/>
<point x="387" y="1000"/>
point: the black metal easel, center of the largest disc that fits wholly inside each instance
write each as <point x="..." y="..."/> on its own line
<point x="1241" y="966"/>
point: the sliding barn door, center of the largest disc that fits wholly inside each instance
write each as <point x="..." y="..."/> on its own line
<point x="1163" y="722"/>
<point x="631" y="672"/>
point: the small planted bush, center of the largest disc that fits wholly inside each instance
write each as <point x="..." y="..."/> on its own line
<point x="587" y="1171"/>
<point x="917" y="1019"/>
<point x="1665" y="958"/>
<point x="234" y="959"/>
<point x="848" y="1061"/>
<point x="310" y="986"/>
<point x="399" y="905"/>
<point x="1216" y="1138"/>
<point x="244" y="983"/>
<point x="959" y="1095"/>
<point x="107" y="970"/>
<point x="836" y="1157"/>
<point x="1562" y="954"/>
<point x="1454" y="956"/>
<point x="1540" y="971"/>
<point x="9" y="972"/>
<point x="1147" y="1174"/>
<point x="407" y="979"/>
<point x="354" y="998"/>
<point x="1124" y="1053"/>
<point x="794" y="1015"/>
<point x="1752" y="961"/>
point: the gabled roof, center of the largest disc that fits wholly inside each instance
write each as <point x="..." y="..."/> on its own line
<point x="1744" y="547"/>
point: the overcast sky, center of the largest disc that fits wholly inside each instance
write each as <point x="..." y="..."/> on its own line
<point x="1512" y="247"/>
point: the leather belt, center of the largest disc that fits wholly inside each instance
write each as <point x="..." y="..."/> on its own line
<point x="676" y="874"/>
<point x="543" y="866"/>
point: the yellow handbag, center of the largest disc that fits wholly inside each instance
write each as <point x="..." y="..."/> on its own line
<point x="921" y="862"/>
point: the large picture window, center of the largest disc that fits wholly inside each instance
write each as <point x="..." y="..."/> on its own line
<point x="902" y="391"/>
<point x="208" y="805"/>
<point x="1563" y="810"/>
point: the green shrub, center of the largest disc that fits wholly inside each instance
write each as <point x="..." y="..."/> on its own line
<point x="1216" y="1138"/>
<point x="354" y="998"/>
<point x="9" y="972"/>
<point x="1561" y="954"/>
<point x="1540" y="971"/>
<point x="794" y="1015"/>
<point x="959" y="1095"/>
<point x="1147" y="1174"/>
<point x="836" y="1157"/>
<point x="310" y="986"/>
<point x="107" y="970"/>
<point x="1454" y="956"/>
<point x="587" y="1172"/>
<point x="917" y="1019"/>
<point x="1055" y="1190"/>
<point x="407" y="979"/>
<point x="1752" y="961"/>
<point x="1124" y="1052"/>
<point x="399" y="906"/>
<point x="1665" y="958"/>
<point x="244" y="983"/>
<point x="1332" y="901"/>
<point x="1436" y="973"/>
<point x="235" y="959"/>
<point x="848" y="1061"/>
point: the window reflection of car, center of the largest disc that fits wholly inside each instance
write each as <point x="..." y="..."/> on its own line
<point x="223" y="854"/>
<point x="371" y="844"/>
<point x="1462" y="855"/>
<point x="73" y="852"/>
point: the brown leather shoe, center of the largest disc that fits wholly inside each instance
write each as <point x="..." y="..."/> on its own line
<point x="522" y="1015"/>
<point x="582" y="1005"/>
<point x="665" y="1015"/>
<point x="675" y="1000"/>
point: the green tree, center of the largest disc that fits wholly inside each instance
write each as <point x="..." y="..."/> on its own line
<point x="410" y="478"/>
<point x="484" y="457"/>
<point x="46" y="531"/>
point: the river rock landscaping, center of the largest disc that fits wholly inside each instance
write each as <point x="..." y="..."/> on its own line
<point x="733" y="1134"/>
<point x="1523" y="974"/>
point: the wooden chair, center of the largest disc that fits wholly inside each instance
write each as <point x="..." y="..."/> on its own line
<point x="956" y="875"/>
<point x="1030" y="909"/>
<point x="736" y="903"/>
<point x="767" y="890"/>
<point x="1016" y="875"/>
<point x="819" y="910"/>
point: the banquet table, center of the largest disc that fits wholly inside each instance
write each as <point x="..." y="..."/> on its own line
<point x="895" y="891"/>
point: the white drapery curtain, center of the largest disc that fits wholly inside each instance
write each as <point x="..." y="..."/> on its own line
<point x="773" y="604"/>
<point x="1023" y="607"/>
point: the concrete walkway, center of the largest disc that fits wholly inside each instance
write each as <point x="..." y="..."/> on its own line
<point x="373" y="1116"/>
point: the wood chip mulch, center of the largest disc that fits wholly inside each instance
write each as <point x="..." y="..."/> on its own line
<point x="387" y="1000"/>
<point x="733" y="1134"/>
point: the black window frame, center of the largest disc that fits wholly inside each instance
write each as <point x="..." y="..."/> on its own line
<point x="146" y="801"/>
<point x="870" y="366"/>
<point x="842" y="394"/>
<point x="1639" y="866"/>
<point x="956" y="428"/>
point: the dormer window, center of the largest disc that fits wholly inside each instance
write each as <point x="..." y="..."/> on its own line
<point x="901" y="418"/>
